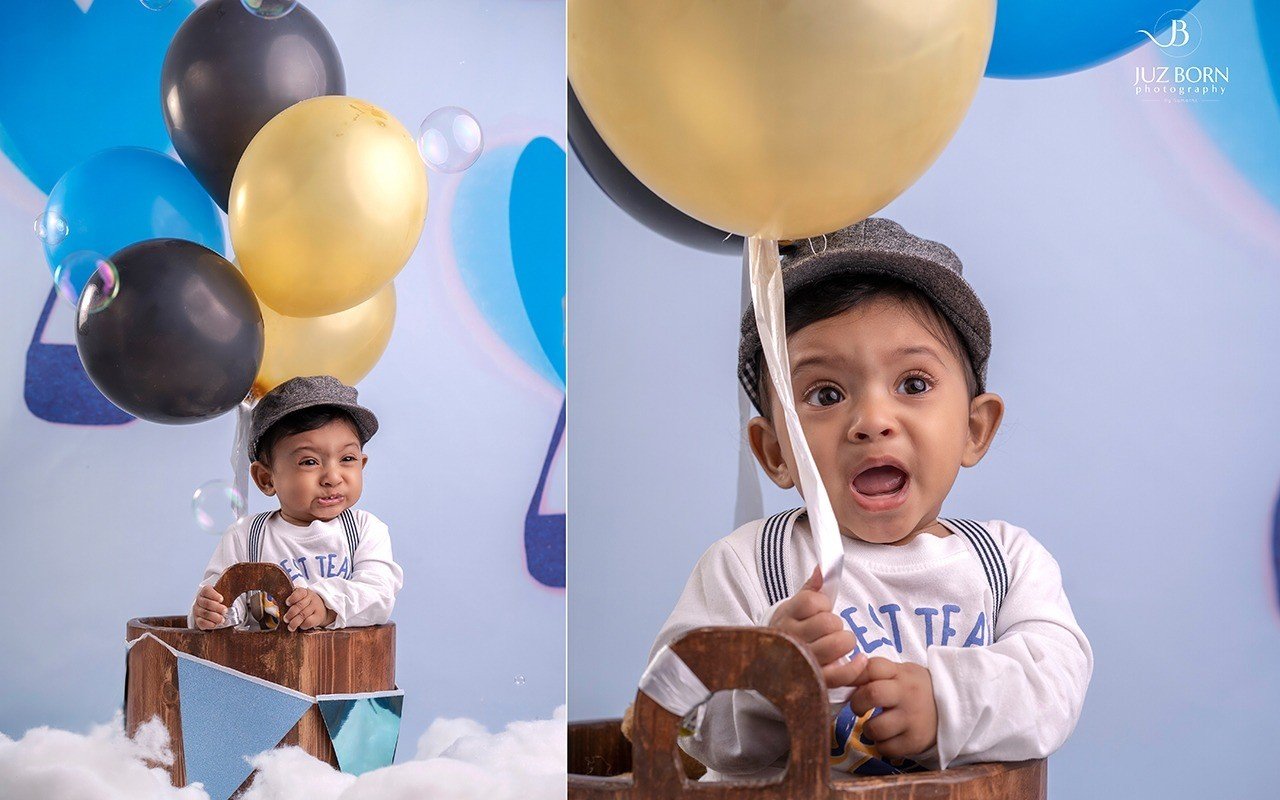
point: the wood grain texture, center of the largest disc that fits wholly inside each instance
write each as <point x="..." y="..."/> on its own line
<point x="151" y="690"/>
<point x="777" y="666"/>
<point x="343" y="661"/>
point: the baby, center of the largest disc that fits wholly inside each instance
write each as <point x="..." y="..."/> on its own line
<point x="306" y="444"/>
<point x="955" y="635"/>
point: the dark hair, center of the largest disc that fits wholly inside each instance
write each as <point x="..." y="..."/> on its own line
<point x="304" y="419"/>
<point x="839" y="293"/>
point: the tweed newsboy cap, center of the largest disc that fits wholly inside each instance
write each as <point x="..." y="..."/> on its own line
<point x="299" y="393"/>
<point x="878" y="247"/>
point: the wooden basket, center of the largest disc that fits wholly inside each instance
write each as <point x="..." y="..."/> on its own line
<point x="779" y="668"/>
<point x="347" y="660"/>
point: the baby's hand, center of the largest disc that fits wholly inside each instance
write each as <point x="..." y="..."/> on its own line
<point x="209" y="612"/>
<point x="807" y="616"/>
<point x="908" y="722"/>
<point x="307" y="610"/>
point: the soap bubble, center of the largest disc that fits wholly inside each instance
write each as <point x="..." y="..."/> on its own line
<point x="77" y="273"/>
<point x="519" y="680"/>
<point x="450" y="139"/>
<point x="156" y="5"/>
<point x="216" y="505"/>
<point x="269" y="9"/>
<point x="51" y="228"/>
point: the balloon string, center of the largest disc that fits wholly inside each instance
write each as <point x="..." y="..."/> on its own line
<point x="749" y="503"/>
<point x="770" y="308"/>
<point x="240" y="452"/>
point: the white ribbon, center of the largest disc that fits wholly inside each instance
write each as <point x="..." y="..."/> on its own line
<point x="671" y="684"/>
<point x="240" y="451"/>
<point x="770" y="308"/>
<point x="771" y="320"/>
<point x="749" y="504"/>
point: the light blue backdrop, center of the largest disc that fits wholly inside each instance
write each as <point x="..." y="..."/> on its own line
<point x="1131" y="264"/>
<point x="99" y="525"/>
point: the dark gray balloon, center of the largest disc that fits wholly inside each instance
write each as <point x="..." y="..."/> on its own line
<point x="228" y="72"/>
<point x="182" y="339"/>
<point x="633" y="197"/>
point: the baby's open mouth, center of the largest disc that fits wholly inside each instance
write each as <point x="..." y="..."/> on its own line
<point x="878" y="481"/>
<point x="330" y="500"/>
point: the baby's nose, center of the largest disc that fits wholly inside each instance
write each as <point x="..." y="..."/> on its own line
<point x="873" y="421"/>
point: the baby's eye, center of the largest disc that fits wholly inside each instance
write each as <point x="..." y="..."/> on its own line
<point x="824" y="396"/>
<point x="348" y="458"/>
<point x="308" y="462"/>
<point x="914" y="384"/>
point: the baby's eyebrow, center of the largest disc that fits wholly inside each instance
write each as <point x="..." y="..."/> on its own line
<point x="918" y="350"/>
<point x="816" y="359"/>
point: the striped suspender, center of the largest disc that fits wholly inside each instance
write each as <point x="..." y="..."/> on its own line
<point x="353" y="538"/>
<point x="773" y="569"/>
<point x="993" y="564"/>
<point x="257" y="529"/>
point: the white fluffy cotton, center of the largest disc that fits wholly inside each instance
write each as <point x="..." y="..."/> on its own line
<point x="104" y="764"/>
<point x="457" y="759"/>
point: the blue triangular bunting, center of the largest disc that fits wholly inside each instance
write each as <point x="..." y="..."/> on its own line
<point x="364" y="728"/>
<point x="227" y="717"/>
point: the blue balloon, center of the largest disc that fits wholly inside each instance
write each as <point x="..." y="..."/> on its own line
<point x="123" y="196"/>
<point x="79" y="76"/>
<point x="1043" y="38"/>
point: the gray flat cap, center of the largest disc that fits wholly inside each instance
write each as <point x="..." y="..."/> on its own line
<point x="878" y="247"/>
<point x="299" y="393"/>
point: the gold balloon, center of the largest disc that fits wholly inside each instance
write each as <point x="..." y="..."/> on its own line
<point x="326" y="205"/>
<point x="784" y="118"/>
<point x="345" y="345"/>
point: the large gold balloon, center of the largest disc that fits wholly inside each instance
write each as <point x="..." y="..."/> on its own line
<point x="778" y="118"/>
<point x="326" y="205"/>
<point x="345" y="345"/>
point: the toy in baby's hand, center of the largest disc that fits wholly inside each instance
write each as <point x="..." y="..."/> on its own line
<point x="306" y="446"/>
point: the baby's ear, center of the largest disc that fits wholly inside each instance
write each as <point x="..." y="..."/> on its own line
<point x="262" y="477"/>
<point x="768" y="450"/>
<point x="985" y="412"/>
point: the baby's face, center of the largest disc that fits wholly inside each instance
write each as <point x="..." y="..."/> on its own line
<point x="887" y="414"/>
<point x="317" y="474"/>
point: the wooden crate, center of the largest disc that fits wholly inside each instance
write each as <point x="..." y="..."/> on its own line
<point x="343" y="661"/>
<point x="603" y="764"/>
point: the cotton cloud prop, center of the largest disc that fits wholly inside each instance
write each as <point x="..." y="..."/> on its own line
<point x="457" y="759"/>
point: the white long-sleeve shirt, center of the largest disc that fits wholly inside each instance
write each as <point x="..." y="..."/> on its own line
<point x="983" y="609"/>
<point x="360" y="587"/>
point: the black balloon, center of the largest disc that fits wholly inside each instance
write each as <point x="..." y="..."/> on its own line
<point x="634" y="197"/>
<point x="228" y="72"/>
<point x="182" y="339"/>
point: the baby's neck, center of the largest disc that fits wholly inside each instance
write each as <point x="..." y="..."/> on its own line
<point x="933" y="528"/>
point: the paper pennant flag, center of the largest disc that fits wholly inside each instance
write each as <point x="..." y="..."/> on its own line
<point x="364" y="728"/>
<point x="227" y="717"/>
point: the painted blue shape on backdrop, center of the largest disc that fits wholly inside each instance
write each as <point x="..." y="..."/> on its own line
<point x="1043" y="38"/>
<point x="1275" y="549"/>
<point x="73" y="81"/>
<point x="544" y="534"/>
<point x="228" y="718"/>
<point x="56" y="388"/>
<point x="364" y="730"/>
<point x="538" y="243"/>
<point x="481" y="230"/>
<point x="125" y="195"/>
